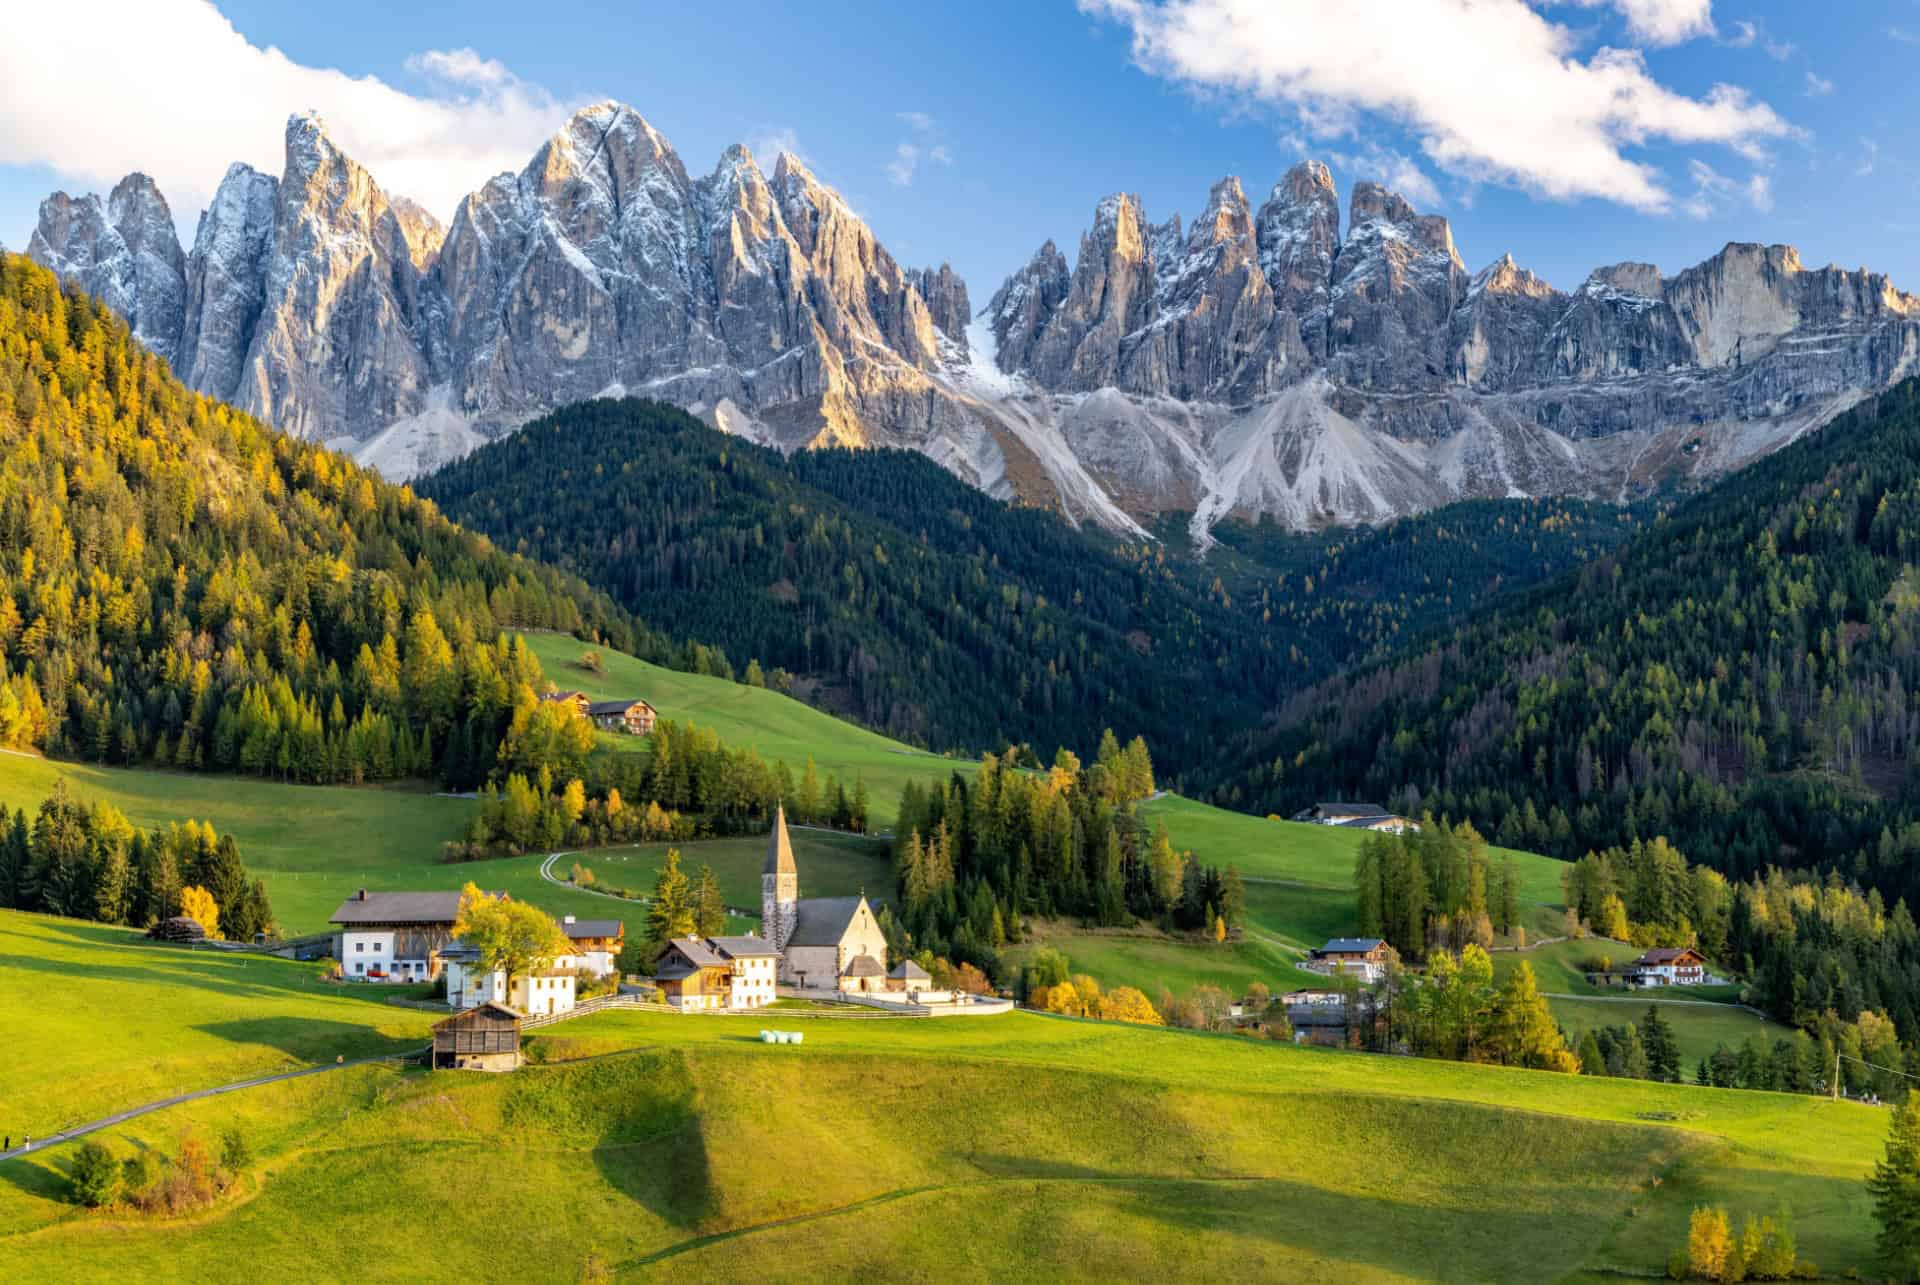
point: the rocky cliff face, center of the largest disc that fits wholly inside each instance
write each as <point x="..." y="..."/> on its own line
<point x="1252" y="362"/>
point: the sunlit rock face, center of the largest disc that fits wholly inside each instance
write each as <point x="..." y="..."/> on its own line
<point x="1255" y="361"/>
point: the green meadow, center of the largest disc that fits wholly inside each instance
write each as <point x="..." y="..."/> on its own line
<point x="1004" y="1148"/>
<point x="778" y="726"/>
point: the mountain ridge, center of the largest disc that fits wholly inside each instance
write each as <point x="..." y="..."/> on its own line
<point x="1253" y="363"/>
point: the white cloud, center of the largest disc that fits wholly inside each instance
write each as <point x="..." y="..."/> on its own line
<point x="1818" y="86"/>
<point x="1904" y="36"/>
<point x="1492" y="90"/>
<point x="1869" y="158"/>
<point x="1662" y="22"/>
<point x="1779" y="50"/>
<point x="171" y="88"/>
<point x="1713" y="190"/>
<point x="906" y="160"/>
<point x="908" y="156"/>
<point x="1394" y="170"/>
<point x="1744" y="34"/>
<point x="770" y="141"/>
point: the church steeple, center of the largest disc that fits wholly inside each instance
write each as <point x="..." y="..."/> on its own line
<point x="779" y="884"/>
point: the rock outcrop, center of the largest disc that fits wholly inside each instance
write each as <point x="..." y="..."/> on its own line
<point x="1255" y="361"/>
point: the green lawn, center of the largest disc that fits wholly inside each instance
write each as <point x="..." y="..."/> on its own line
<point x="1017" y="1147"/>
<point x="776" y="725"/>
<point x="102" y="1019"/>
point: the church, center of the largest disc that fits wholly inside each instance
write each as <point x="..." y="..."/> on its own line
<point x="825" y="943"/>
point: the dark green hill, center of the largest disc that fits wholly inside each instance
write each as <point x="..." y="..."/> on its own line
<point x="1738" y="677"/>
<point x="899" y="595"/>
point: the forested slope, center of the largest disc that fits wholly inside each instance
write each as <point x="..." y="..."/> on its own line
<point x="902" y="596"/>
<point x="181" y="585"/>
<point x="1737" y="678"/>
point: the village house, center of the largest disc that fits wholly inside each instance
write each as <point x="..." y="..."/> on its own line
<point x="1362" y="957"/>
<point x="825" y="943"/>
<point x="596" y="944"/>
<point x="1669" y="966"/>
<point x="545" y="990"/>
<point x="1355" y="816"/>
<point x="704" y="974"/>
<point x="483" y="1038"/>
<point x="578" y="700"/>
<point x="634" y="717"/>
<point x="394" y="936"/>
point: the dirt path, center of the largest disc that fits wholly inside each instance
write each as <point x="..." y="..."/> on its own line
<point x="120" y="1117"/>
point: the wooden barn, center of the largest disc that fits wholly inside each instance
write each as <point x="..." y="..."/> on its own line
<point x="485" y="1037"/>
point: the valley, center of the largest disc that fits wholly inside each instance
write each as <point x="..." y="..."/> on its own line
<point x="619" y="720"/>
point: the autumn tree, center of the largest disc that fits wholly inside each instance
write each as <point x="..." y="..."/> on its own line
<point x="513" y="937"/>
<point x="1126" y="1004"/>
<point x="197" y="904"/>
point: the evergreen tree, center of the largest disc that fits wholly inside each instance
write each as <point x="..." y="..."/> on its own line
<point x="673" y="912"/>
<point x="710" y="910"/>
<point x="1895" y="1186"/>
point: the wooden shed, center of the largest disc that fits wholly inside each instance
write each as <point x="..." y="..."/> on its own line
<point x="485" y="1037"/>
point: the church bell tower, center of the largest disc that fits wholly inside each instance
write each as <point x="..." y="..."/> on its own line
<point x="779" y="884"/>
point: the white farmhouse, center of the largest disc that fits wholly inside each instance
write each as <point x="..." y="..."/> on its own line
<point x="548" y="990"/>
<point x="394" y="936"/>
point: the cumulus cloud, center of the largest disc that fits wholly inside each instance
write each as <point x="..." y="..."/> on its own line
<point x="1492" y="89"/>
<point x="1662" y="22"/>
<point x="171" y="88"/>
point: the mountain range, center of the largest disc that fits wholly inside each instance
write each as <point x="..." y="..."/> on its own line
<point x="1258" y="362"/>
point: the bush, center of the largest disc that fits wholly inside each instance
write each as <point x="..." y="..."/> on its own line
<point x="235" y="1154"/>
<point x="96" y="1175"/>
<point x="141" y="1174"/>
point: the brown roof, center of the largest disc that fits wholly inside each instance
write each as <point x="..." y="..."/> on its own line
<point x="365" y="907"/>
<point x="744" y="947"/>
<point x="864" y="966"/>
<point x="779" y="846"/>
<point x="1668" y="955"/>
<point x="598" y="708"/>
<point x="486" y="1008"/>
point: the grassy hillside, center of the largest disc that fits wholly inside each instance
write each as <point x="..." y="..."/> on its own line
<point x="1011" y="1147"/>
<point x="780" y="727"/>
<point x="119" y="1021"/>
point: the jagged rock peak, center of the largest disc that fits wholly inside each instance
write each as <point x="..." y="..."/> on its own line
<point x="1504" y="276"/>
<point x="945" y="295"/>
<point x="1227" y="216"/>
<point x="1641" y="280"/>
<point x="126" y="253"/>
<point x="1377" y="209"/>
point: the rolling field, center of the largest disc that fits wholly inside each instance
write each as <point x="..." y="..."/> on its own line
<point x="1000" y="1148"/>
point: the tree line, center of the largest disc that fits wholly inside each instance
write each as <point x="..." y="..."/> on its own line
<point x="974" y="858"/>
<point x="87" y="861"/>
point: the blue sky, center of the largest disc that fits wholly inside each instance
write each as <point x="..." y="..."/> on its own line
<point x="1572" y="133"/>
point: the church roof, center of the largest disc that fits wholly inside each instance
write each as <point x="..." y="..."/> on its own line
<point x="864" y="966"/>
<point x="823" y="921"/>
<point x="779" y="847"/>
<point x="907" y="970"/>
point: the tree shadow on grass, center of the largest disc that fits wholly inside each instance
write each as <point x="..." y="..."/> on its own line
<point x="250" y="977"/>
<point x="639" y="1114"/>
<point x="311" y="1039"/>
